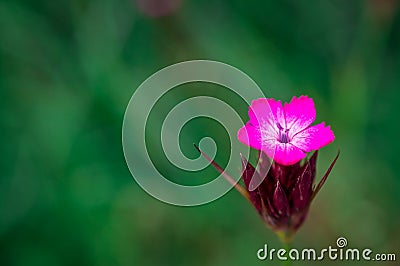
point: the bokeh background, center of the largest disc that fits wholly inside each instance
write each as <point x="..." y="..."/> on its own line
<point x="69" y="68"/>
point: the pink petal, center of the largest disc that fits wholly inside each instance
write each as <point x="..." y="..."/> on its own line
<point x="250" y="136"/>
<point x="287" y="154"/>
<point x="277" y="111"/>
<point x="268" y="147"/>
<point x="267" y="112"/>
<point x="313" y="138"/>
<point x="299" y="114"/>
<point x="253" y="137"/>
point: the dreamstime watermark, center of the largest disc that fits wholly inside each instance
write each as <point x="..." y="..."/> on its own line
<point x="146" y="96"/>
<point x="338" y="252"/>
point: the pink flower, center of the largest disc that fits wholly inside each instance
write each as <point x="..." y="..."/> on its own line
<point x="284" y="132"/>
<point x="286" y="187"/>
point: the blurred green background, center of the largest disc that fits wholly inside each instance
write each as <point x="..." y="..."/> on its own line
<point x="69" y="68"/>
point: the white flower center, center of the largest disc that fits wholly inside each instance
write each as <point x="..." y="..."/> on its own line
<point x="283" y="135"/>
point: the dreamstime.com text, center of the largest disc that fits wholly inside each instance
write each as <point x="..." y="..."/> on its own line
<point x="338" y="252"/>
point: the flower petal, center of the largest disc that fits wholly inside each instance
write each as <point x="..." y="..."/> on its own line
<point x="250" y="136"/>
<point x="313" y="138"/>
<point x="267" y="112"/>
<point x="299" y="114"/>
<point x="287" y="154"/>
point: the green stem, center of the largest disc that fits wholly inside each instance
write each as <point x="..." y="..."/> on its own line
<point x="285" y="236"/>
<point x="286" y="246"/>
<point x="286" y="239"/>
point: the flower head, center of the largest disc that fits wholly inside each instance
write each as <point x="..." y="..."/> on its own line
<point x="285" y="186"/>
<point x="283" y="132"/>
